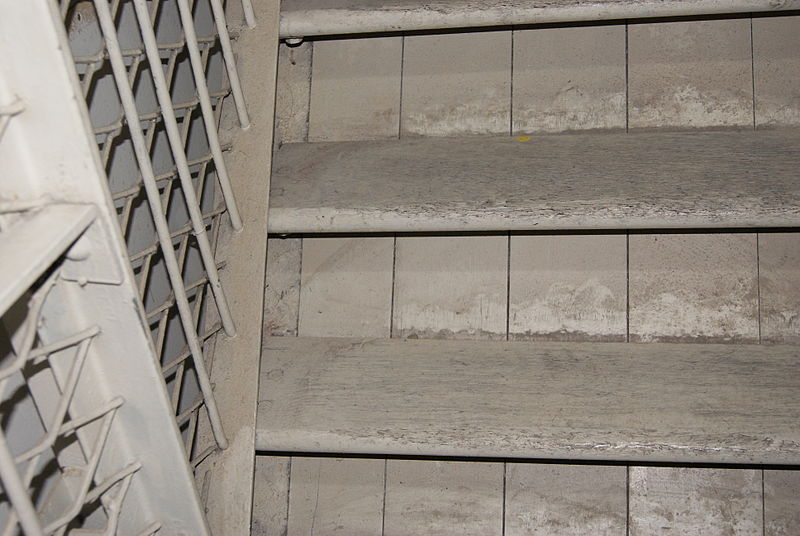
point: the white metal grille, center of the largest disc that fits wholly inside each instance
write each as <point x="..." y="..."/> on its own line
<point x="156" y="129"/>
<point x="88" y="441"/>
<point x="30" y="365"/>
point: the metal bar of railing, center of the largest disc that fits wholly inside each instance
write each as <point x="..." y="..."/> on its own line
<point x="179" y="156"/>
<point x="35" y="305"/>
<point x="113" y="506"/>
<point x="106" y="484"/>
<point x="208" y="112"/>
<point x="88" y="471"/>
<point x="57" y="419"/>
<point x="162" y="229"/>
<point x="17" y="492"/>
<point x="42" y="352"/>
<point x="230" y="62"/>
<point x="183" y="356"/>
<point x="99" y="56"/>
<point x="249" y="14"/>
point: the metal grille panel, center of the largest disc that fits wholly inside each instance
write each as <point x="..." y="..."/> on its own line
<point x="45" y="506"/>
<point x="88" y="440"/>
<point x="156" y="130"/>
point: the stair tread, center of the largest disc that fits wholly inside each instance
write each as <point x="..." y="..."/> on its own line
<point x="302" y="18"/>
<point x="682" y="403"/>
<point x="730" y="179"/>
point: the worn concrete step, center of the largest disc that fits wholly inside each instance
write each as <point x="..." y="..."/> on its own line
<point x="604" y="401"/>
<point x="564" y="182"/>
<point x="304" y="18"/>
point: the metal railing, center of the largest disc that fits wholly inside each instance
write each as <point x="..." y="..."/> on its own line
<point x="88" y="437"/>
<point x="156" y="129"/>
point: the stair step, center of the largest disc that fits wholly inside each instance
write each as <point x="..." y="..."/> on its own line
<point x="563" y="182"/>
<point x="304" y="18"/>
<point x="681" y="403"/>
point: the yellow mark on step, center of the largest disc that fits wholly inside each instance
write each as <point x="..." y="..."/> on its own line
<point x="523" y="138"/>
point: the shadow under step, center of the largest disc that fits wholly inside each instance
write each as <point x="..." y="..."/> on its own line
<point x="681" y="403"/>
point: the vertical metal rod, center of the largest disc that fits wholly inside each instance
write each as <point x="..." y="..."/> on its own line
<point x="160" y="221"/>
<point x="249" y="14"/>
<point x="208" y="112"/>
<point x="230" y="61"/>
<point x="179" y="155"/>
<point x="17" y="492"/>
<point x="178" y="386"/>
